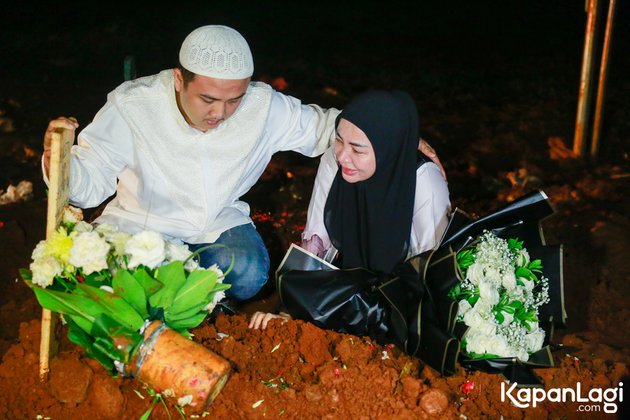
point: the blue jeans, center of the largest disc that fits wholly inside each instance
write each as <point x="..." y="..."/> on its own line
<point x="251" y="260"/>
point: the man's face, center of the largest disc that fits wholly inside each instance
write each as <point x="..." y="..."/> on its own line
<point x="205" y="102"/>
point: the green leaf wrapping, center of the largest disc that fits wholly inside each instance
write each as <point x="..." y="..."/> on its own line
<point x="81" y="338"/>
<point x="25" y="274"/>
<point x="180" y="316"/>
<point x="68" y="304"/>
<point x="114" y="339"/>
<point x="193" y="292"/>
<point x="148" y="283"/>
<point x="173" y="276"/>
<point x="128" y="288"/>
<point x="114" y="306"/>
<point x="191" y="322"/>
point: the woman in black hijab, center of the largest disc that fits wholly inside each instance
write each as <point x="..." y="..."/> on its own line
<point x="369" y="220"/>
<point x="376" y="200"/>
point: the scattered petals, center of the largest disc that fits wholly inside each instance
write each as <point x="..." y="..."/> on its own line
<point x="467" y="387"/>
<point x="185" y="400"/>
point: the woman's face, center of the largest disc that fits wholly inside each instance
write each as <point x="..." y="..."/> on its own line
<point x="354" y="152"/>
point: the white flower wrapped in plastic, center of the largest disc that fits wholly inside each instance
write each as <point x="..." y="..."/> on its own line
<point x="499" y="298"/>
<point x="488" y="292"/>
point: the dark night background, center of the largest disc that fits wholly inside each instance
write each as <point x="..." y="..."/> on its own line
<point x="63" y="58"/>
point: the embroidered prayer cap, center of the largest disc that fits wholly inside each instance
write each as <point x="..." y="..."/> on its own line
<point x="217" y="51"/>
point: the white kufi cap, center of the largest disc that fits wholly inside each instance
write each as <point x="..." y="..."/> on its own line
<point x="217" y="51"/>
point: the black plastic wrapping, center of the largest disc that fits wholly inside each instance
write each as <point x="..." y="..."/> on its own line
<point x="411" y="307"/>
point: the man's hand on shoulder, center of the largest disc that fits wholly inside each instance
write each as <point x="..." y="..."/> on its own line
<point x="426" y="148"/>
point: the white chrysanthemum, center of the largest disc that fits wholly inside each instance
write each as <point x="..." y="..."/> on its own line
<point x="534" y="340"/>
<point x="488" y="292"/>
<point x="216" y="269"/>
<point x="146" y="248"/>
<point x="44" y="270"/>
<point x="89" y="251"/>
<point x="118" y="241"/>
<point x="72" y="214"/>
<point x="218" y="297"/>
<point x="82" y="227"/>
<point x="105" y="229"/>
<point x="176" y="252"/>
<point x="39" y="251"/>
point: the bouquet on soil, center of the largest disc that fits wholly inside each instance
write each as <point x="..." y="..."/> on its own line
<point x="129" y="301"/>
<point x="493" y="293"/>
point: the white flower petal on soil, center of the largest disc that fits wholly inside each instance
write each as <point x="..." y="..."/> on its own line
<point x="185" y="400"/>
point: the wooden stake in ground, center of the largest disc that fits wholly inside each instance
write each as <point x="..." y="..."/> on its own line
<point x="58" y="186"/>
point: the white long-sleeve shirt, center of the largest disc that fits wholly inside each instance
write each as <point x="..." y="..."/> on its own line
<point x="431" y="206"/>
<point x="175" y="179"/>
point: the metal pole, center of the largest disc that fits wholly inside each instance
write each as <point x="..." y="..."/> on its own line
<point x="601" y="88"/>
<point x="581" y="123"/>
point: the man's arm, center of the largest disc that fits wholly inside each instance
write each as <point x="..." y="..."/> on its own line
<point x="306" y="129"/>
<point x="102" y="153"/>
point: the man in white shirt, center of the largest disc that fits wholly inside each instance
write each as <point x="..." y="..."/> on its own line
<point x="181" y="147"/>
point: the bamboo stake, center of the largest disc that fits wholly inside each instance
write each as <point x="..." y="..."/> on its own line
<point x="579" y="145"/>
<point x="601" y="89"/>
<point x="58" y="186"/>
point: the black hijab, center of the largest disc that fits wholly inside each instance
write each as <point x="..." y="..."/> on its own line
<point x="369" y="222"/>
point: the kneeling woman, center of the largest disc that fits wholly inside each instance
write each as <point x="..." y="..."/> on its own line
<point x="376" y="199"/>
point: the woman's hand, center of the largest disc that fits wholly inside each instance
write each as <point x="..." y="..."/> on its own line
<point x="261" y="319"/>
<point x="314" y="245"/>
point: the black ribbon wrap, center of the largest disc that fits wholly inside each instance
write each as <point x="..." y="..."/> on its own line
<point x="411" y="307"/>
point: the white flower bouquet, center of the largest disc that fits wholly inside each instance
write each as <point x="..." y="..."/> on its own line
<point x="485" y="303"/>
<point x="498" y="299"/>
<point x="109" y="285"/>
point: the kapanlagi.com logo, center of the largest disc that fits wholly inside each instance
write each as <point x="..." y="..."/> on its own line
<point x="526" y="397"/>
